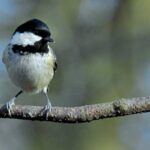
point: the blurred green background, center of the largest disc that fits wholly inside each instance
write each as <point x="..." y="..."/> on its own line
<point x="103" y="52"/>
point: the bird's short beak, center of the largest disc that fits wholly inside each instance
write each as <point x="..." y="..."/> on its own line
<point x="48" y="39"/>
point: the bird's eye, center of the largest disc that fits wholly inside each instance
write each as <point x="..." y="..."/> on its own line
<point x="44" y="33"/>
<point x="36" y="32"/>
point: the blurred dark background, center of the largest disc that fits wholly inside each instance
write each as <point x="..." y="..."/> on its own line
<point x="103" y="53"/>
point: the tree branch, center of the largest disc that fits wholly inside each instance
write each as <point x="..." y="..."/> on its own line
<point x="80" y="114"/>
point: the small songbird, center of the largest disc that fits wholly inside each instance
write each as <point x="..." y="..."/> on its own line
<point x="30" y="61"/>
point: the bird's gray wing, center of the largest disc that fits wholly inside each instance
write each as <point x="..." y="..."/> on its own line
<point x="5" y="55"/>
<point x="55" y="65"/>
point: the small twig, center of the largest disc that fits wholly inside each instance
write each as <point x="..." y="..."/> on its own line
<point x="80" y="114"/>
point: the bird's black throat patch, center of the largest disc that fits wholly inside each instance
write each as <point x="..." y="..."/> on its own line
<point x="38" y="47"/>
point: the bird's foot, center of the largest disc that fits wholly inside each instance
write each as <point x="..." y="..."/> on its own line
<point x="47" y="109"/>
<point x="9" y="105"/>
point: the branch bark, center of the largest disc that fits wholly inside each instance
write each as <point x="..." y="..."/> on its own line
<point x="121" y="107"/>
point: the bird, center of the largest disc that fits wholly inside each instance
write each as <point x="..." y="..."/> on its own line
<point x="30" y="61"/>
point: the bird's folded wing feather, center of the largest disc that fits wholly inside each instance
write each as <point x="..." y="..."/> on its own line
<point x="5" y="55"/>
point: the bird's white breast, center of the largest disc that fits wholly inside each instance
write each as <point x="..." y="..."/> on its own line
<point x="31" y="72"/>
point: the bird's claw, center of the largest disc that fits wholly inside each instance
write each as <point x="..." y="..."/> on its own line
<point x="47" y="109"/>
<point x="9" y="105"/>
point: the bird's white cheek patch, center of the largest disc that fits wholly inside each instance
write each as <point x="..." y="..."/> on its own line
<point x="25" y="38"/>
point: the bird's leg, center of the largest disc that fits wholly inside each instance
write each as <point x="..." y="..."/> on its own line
<point x="11" y="102"/>
<point x="48" y="106"/>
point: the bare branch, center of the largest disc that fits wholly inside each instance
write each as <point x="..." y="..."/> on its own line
<point x="80" y="114"/>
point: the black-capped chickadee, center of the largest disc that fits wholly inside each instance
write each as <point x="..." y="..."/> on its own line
<point x="30" y="61"/>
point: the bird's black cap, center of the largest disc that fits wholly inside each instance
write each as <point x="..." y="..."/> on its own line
<point x="35" y="26"/>
<point x="32" y="25"/>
